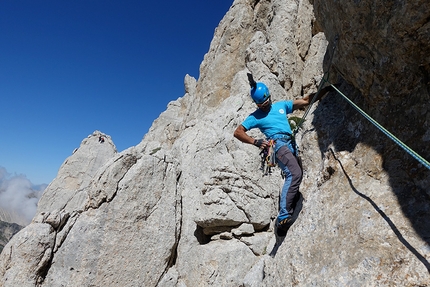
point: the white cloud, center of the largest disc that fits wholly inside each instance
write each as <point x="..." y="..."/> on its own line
<point x="18" y="197"/>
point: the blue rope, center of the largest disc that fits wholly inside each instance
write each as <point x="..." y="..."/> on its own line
<point x="386" y="132"/>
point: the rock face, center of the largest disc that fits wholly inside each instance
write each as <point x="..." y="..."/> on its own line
<point x="189" y="206"/>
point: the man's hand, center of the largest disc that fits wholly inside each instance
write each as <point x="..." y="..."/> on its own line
<point x="261" y="143"/>
<point x="306" y="100"/>
<point x="240" y="134"/>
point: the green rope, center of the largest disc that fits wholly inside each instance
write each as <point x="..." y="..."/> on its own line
<point x="375" y="123"/>
<point x="386" y="132"/>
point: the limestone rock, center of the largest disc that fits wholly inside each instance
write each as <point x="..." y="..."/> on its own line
<point x="38" y="242"/>
<point x="76" y="173"/>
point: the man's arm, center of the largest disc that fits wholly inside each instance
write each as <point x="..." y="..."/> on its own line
<point x="240" y="134"/>
<point x="301" y="103"/>
<point x="306" y="100"/>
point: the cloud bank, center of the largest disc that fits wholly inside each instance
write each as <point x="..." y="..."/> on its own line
<point x="18" y="197"/>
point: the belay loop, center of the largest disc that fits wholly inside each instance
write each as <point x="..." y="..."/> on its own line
<point x="268" y="158"/>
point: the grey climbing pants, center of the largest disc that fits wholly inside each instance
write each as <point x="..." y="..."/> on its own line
<point x="293" y="177"/>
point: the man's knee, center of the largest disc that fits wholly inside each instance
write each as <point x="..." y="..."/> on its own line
<point x="297" y="178"/>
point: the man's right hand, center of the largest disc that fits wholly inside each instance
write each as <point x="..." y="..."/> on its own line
<point x="240" y="134"/>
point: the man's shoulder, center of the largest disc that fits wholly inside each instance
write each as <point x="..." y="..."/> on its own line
<point x="284" y="103"/>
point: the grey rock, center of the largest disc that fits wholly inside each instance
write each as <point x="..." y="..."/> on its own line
<point x="27" y="266"/>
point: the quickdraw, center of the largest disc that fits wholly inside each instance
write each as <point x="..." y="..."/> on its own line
<point x="268" y="158"/>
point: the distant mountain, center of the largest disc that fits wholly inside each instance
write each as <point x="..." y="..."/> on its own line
<point x="10" y="224"/>
<point x="13" y="217"/>
<point x="7" y="230"/>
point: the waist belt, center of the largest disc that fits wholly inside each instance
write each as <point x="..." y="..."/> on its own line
<point x="282" y="137"/>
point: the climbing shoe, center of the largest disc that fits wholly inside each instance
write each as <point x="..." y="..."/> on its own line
<point x="283" y="225"/>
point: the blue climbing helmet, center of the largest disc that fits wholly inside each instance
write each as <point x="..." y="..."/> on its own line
<point x="259" y="93"/>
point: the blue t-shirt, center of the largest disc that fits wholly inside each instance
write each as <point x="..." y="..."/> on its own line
<point x="272" y="123"/>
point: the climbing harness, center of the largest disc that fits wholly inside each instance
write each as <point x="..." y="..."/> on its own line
<point x="268" y="158"/>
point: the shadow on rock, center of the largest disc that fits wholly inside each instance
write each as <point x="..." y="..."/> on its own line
<point x="387" y="219"/>
<point x="341" y="128"/>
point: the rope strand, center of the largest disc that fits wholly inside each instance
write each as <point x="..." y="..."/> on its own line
<point x="324" y="80"/>
<point x="385" y="131"/>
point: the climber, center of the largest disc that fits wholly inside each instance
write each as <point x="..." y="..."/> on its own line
<point x="271" y="119"/>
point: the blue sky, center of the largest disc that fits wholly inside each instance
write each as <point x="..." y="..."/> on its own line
<point x="68" y="68"/>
